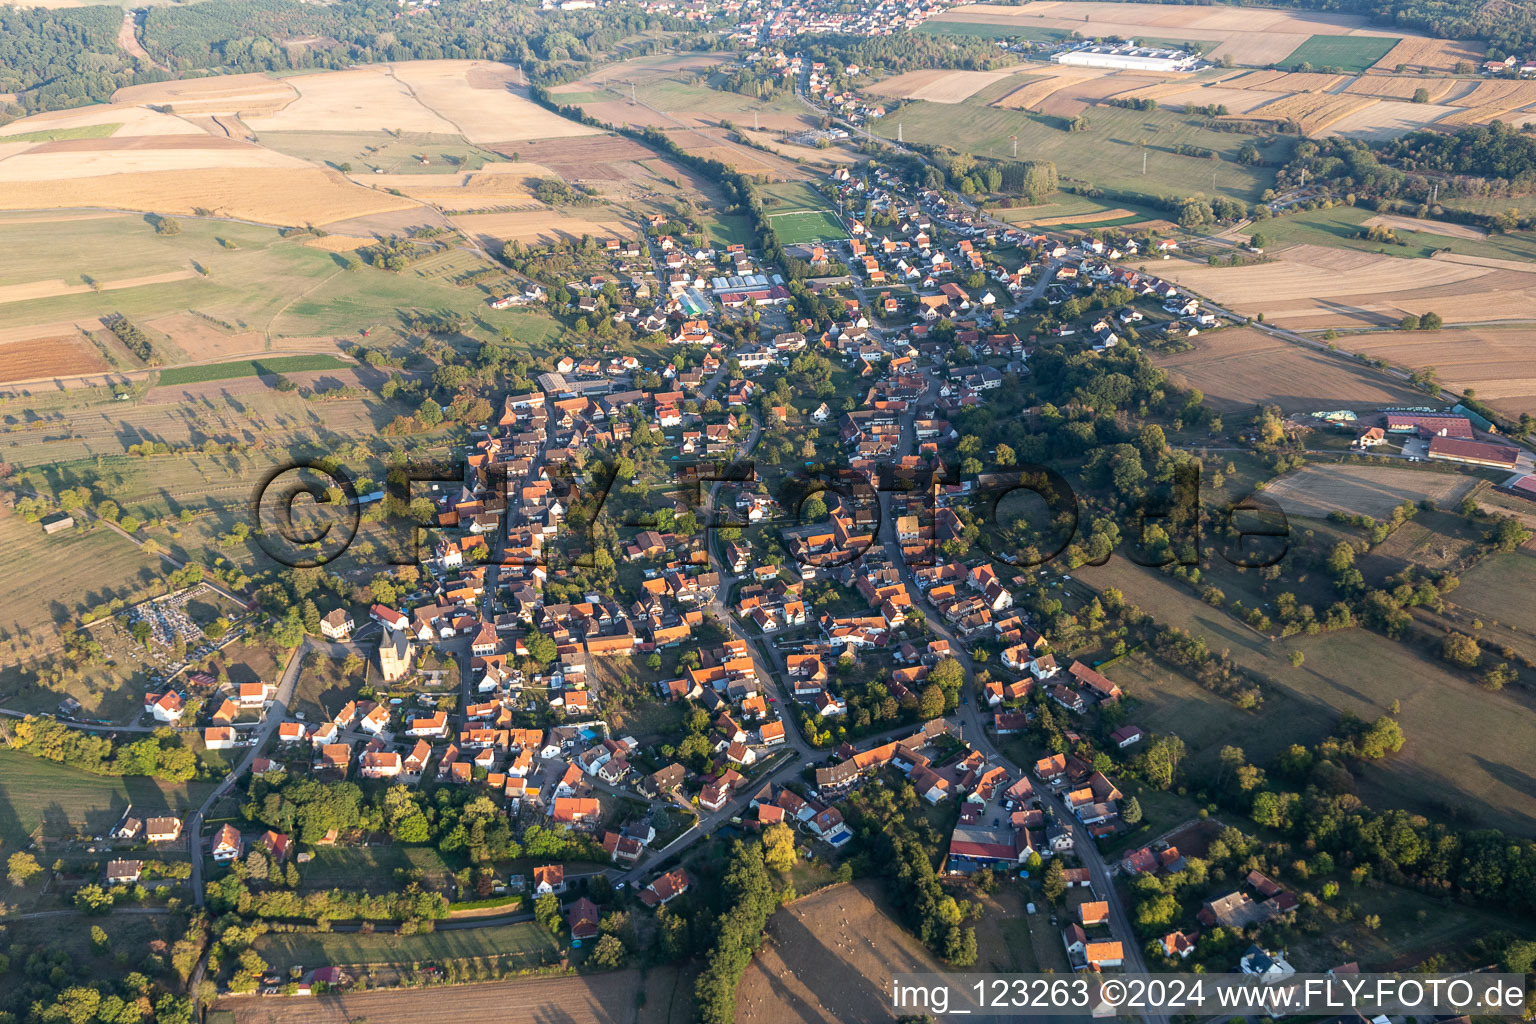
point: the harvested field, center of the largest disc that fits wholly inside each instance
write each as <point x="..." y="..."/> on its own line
<point x="1030" y="95"/>
<point x="1075" y="218"/>
<point x="1387" y="119"/>
<point x="1434" y="54"/>
<point x="1155" y="91"/>
<point x="201" y="340"/>
<point x="341" y="243"/>
<point x="743" y="158"/>
<point x="829" y="959"/>
<point x="215" y="94"/>
<point x="791" y="151"/>
<point x="51" y="289"/>
<point x="1237" y="101"/>
<point x="65" y="355"/>
<point x="1476" y="115"/>
<point x="500" y="184"/>
<point x="596" y="157"/>
<point x="541" y="225"/>
<point x="1499" y="364"/>
<point x="58" y="218"/>
<point x="943" y="85"/>
<point x="368" y="99"/>
<point x="483" y="101"/>
<point x="1313" y="111"/>
<point x="129" y="120"/>
<point x="1437" y="227"/>
<point x="1286" y="81"/>
<point x="1506" y="93"/>
<point x="1242" y="367"/>
<point x="91" y="158"/>
<point x="590" y="999"/>
<point x="269" y="195"/>
<point x="1313" y="287"/>
<point x="1078" y="96"/>
<point x="1318" y="490"/>
<point x="1403" y="87"/>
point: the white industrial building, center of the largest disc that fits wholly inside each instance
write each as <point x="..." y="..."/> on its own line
<point x="1128" y="56"/>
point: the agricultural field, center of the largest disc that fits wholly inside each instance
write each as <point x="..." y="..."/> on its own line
<point x="659" y="996"/>
<point x="493" y="230"/>
<point x="527" y="943"/>
<point x="1241" y="367"/>
<point x="1249" y="36"/>
<point x="829" y="960"/>
<point x="37" y="794"/>
<point x="943" y="85"/>
<point x="1320" y="489"/>
<point x="1347" y="53"/>
<point x="1431" y="55"/>
<point x="1495" y="363"/>
<point x="273" y="151"/>
<point x="1311" y="287"/>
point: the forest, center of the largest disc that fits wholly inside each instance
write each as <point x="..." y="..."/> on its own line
<point x="56" y="59"/>
<point x="257" y="35"/>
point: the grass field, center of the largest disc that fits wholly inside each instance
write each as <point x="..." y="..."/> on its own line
<point x="1347" y="53"/>
<point x="373" y="867"/>
<point x="180" y="375"/>
<point x="728" y="229"/>
<point x="1338" y="227"/>
<point x="84" y="568"/>
<point x="128" y="935"/>
<point x="41" y="794"/>
<point x="1497" y="592"/>
<point x="382" y="151"/>
<point x="525" y="940"/>
<point x="1109" y="154"/>
<point x="798" y="213"/>
<point x="1463" y="757"/>
<point x="81" y="131"/>
<point x="940" y="27"/>
<point x="807" y="226"/>
<point x="265" y="287"/>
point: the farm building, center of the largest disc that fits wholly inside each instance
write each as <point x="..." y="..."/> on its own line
<point x="1128" y="57"/>
<point x="58" y="522"/>
<point x="1522" y="486"/>
<point x="1429" y="425"/>
<point x="1473" y="453"/>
